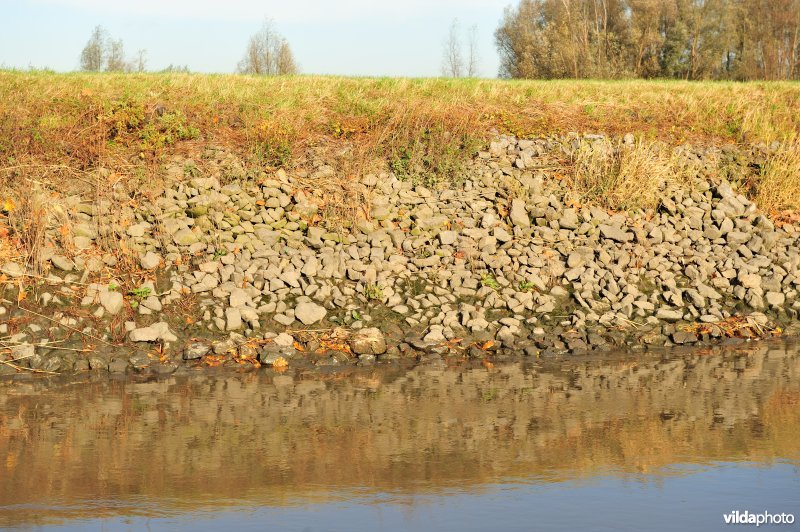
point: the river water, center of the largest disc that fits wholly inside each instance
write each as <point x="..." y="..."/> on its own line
<point x="631" y="441"/>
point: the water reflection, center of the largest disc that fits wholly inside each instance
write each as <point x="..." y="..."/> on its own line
<point x="385" y="435"/>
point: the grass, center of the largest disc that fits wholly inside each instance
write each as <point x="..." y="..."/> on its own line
<point x="80" y="133"/>
<point x="626" y="177"/>
<point x="779" y="185"/>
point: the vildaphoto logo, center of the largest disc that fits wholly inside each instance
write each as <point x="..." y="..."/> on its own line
<point x="764" y="518"/>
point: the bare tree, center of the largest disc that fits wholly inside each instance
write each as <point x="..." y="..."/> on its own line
<point x="268" y="53"/>
<point x="181" y="69"/>
<point x="141" y="61"/>
<point x="472" y="52"/>
<point x="93" y="56"/>
<point x="453" y="62"/>
<point x="286" y="62"/>
<point x="116" y="57"/>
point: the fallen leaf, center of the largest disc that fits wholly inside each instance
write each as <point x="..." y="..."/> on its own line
<point x="487" y="345"/>
<point x="487" y="364"/>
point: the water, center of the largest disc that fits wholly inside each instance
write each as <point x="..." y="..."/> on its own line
<point x="621" y="442"/>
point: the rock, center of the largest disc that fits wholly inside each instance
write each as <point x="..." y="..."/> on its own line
<point x="185" y="237"/>
<point x="284" y="340"/>
<point x="157" y="331"/>
<point x="12" y="269"/>
<point x="569" y="220"/>
<point x="615" y="233"/>
<point x="684" y="337"/>
<point x="369" y="341"/>
<point x="309" y="313"/>
<point x="775" y="299"/>
<point x="112" y="302"/>
<point x="137" y="230"/>
<point x="669" y="315"/>
<point x="283" y="319"/>
<point x="448" y="238"/>
<point x="195" y="350"/>
<point x="749" y="280"/>
<point x="117" y="365"/>
<point x="518" y="214"/>
<point x="239" y="298"/>
<point x="435" y="336"/>
<point x="143" y="334"/>
<point x="152" y="303"/>
<point x="150" y="260"/>
<point x="233" y="319"/>
<point x="62" y="263"/>
<point x="82" y="242"/>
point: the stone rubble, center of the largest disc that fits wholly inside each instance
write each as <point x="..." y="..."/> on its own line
<point x="507" y="255"/>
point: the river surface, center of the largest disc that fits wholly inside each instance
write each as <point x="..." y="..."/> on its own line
<point x="631" y="441"/>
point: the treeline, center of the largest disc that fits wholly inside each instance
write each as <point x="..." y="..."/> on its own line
<point x="267" y="53"/>
<point x="685" y="39"/>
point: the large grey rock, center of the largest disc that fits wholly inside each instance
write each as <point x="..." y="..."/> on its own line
<point x="12" y="269"/>
<point x="185" y="237"/>
<point x="518" y="214"/>
<point x="150" y="260"/>
<point x="233" y="319"/>
<point x="749" y="280"/>
<point x="615" y="233"/>
<point x="62" y="263"/>
<point x="369" y="341"/>
<point x="309" y="313"/>
<point x="775" y="299"/>
<point x="157" y="331"/>
<point x="284" y="340"/>
<point x="196" y="350"/>
<point x="239" y="298"/>
<point x="112" y="302"/>
<point x="569" y="220"/>
<point x="669" y="315"/>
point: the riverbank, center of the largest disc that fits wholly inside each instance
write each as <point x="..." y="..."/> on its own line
<point x="528" y="253"/>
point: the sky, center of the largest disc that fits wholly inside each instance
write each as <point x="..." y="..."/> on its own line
<point x="346" y="37"/>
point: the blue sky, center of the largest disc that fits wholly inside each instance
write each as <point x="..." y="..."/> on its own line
<point x="349" y="37"/>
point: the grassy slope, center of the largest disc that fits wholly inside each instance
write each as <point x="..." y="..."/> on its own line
<point x="58" y="126"/>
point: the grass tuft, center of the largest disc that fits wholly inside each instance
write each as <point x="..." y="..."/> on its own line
<point x="779" y="185"/>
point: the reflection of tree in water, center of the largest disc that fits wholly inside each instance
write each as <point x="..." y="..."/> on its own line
<point x="283" y="439"/>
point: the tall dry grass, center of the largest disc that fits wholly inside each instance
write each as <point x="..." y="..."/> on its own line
<point x="626" y="176"/>
<point x="778" y="187"/>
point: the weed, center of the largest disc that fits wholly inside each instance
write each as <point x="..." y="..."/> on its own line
<point x="373" y="291"/>
<point x="140" y="293"/>
<point x="489" y="280"/>
<point x="526" y="286"/>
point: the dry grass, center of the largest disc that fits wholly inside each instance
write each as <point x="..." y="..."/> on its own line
<point x="624" y="177"/>
<point x="778" y="188"/>
<point x="63" y="129"/>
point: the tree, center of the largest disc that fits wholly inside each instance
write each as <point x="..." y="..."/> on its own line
<point x="104" y="53"/>
<point x="141" y="61"/>
<point x="688" y="39"/>
<point x="181" y="69"/>
<point x="268" y="53"/>
<point x="93" y="54"/>
<point x="452" y="61"/>
<point x="472" y="52"/>
<point x="116" y="57"/>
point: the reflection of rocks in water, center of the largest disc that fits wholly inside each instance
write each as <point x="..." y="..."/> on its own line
<point x="271" y="438"/>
